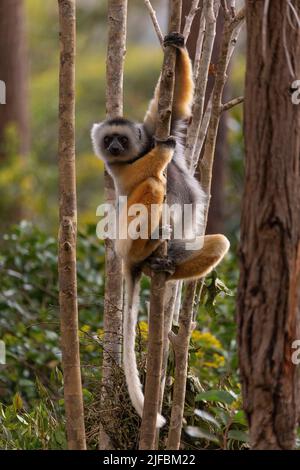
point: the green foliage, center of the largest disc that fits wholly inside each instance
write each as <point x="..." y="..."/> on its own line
<point x="42" y="427"/>
<point x="29" y="322"/>
<point x="219" y="421"/>
<point x="29" y="325"/>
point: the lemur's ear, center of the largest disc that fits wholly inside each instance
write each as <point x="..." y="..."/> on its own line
<point x="95" y="134"/>
<point x="95" y="129"/>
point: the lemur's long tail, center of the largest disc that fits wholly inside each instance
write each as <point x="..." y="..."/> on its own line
<point x="132" y="291"/>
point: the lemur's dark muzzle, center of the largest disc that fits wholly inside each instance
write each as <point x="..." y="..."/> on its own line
<point x="115" y="147"/>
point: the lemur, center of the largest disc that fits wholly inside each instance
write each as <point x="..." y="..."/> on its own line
<point x="137" y="162"/>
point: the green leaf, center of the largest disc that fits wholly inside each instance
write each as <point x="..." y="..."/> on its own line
<point x="221" y="396"/>
<point x="60" y="437"/>
<point x="238" y="435"/>
<point x="240" y="418"/>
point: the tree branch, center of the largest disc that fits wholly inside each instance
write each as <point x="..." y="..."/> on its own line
<point x="190" y="18"/>
<point x="154" y="21"/>
<point x="199" y="45"/>
<point x="230" y="34"/>
<point x="230" y="104"/>
<point x="201" y="81"/>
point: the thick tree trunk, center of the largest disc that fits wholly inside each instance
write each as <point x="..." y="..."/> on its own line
<point x="268" y="301"/>
<point x="68" y="229"/>
<point x="13" y="71"/>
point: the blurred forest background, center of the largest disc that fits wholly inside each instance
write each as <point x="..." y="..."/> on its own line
<point x="31" y="413"/>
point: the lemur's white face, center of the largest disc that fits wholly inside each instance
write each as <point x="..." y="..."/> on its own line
<point x="116" y="141"/>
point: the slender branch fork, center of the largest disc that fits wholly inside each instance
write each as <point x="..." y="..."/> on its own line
<point x="202" y="131"/>
<point x="154" y="21"/>
<point x="190" y="18"/>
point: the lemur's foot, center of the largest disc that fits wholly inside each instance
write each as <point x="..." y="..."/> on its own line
<point x="170" y="142"/>
<point x="159" y="265"/>
<point x="174" y="39"/>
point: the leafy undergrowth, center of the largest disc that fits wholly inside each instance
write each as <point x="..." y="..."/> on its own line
<point x="31" y="383"/>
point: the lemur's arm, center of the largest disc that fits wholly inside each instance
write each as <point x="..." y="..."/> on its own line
<point x="144" y="184"/>
<point x="184" y="86"/>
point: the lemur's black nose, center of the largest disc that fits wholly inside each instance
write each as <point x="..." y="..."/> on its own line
<point x="115" y="149"/>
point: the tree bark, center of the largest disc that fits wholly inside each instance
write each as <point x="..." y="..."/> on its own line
<point x="268" y="299"/>
<point x="158" y="282"/>
<point x="112" y="341"/>
<point x="13" y="71"/>
<point x="68" y="229"/>
<point x="215" y="221"/>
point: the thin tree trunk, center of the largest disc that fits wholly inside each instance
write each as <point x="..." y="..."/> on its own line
<point x="13" y="71"/>
<point x="180" y="342"/>
<point x="158" y="282"/>
<point x="112" y="341"/>
<point x="68" y="230"/>
<point x="268" y="300"/>
<point x="215" y="223"/>
<point x="169" y="308"/>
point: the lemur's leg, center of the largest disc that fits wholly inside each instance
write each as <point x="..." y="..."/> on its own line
<point x="184" y="86"/>
<point x="200" y="262"/>
<point x="192" y="264"/>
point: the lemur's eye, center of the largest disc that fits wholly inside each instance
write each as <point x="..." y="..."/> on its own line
<point x="124" y="140"/>
<point x="107" y="140"/>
